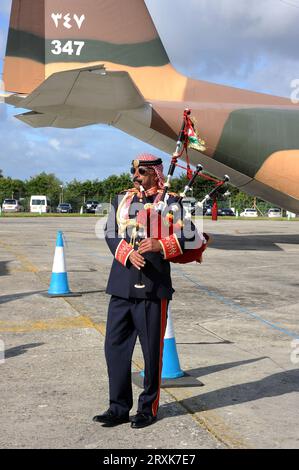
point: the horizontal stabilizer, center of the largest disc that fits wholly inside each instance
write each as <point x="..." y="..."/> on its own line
<point x="34" y="119"/>
<point x="93" y="87"/>
<point x="14" y="100"/>
<point x="87" y="96"/>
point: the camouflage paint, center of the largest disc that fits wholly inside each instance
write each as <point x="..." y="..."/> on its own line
<point x="251" y="135"/>
<point x="28" y="46"/>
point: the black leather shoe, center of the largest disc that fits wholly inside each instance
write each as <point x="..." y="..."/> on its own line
<point x="142" y="420"/>
<point x="109" y="419"/>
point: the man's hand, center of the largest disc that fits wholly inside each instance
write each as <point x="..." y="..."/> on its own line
<point x="149" y="245"/>
<point x="137" y="260"/>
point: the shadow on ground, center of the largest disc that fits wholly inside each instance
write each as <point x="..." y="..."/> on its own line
<point x="18" y="350"/>
<point x="11" y="297"/>
<point x="252" y="242"/>
<point x="4" y="271"/>
<point x="191" y="376"/>
<point x="272" y="386"/>
<point x="202" y="372"/>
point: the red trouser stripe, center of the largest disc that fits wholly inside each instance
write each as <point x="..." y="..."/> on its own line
<point x="164" y="303"/>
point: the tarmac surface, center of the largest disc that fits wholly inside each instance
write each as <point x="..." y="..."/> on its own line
<point x="236" y="324"/>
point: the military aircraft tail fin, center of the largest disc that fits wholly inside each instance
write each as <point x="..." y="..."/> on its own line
<point x="24" y="64"/>
<point x="50" y="36"/>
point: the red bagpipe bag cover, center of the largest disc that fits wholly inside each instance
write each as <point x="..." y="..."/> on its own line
<point x="158" y="228"/>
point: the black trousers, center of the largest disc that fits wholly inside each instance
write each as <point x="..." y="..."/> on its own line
<point x="126" y="320"/>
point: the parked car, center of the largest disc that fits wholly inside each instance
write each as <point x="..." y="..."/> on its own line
<point x="11" y="205"/>
<point x="274" y="212"/>
<point x="64" y="208"/>
<point x="208" y="211"/>
<point x="90" y="206"/>
<point x="249" y="213"/>
<point x="220" y="212"/>
<point x="226" y="212"/>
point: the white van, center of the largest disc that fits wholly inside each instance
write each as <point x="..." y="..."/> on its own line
<point x="40" y="204"/>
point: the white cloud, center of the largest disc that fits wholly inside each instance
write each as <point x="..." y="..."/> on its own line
<point x="55" y="144"/>
<point x="2" y="43"/>
<point x="275" y="77"/>
<point x="230" y="42"/>
<point x="83" y="156"/>
<point x="5" y="6"/>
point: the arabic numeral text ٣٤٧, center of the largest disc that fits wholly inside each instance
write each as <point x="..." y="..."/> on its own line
<point x="67" y="21"/>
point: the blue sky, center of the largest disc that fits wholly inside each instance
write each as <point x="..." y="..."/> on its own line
<point x="250" y="44"/>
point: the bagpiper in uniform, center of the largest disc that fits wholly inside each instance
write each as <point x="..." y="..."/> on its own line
<point x="133" y="310"/>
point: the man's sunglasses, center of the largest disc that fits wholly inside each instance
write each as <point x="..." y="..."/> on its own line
<point x="141" y="170"/>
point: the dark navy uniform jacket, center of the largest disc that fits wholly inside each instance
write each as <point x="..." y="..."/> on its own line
<point x="156" y="273"/>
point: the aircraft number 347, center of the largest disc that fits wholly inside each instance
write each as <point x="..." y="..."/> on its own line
<point x="67" y="48"/>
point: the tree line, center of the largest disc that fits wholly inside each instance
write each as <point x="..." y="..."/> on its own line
<point x="78" y="192"/>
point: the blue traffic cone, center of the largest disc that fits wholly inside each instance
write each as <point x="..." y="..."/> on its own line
<point x="59" y="282"/>
<point x="171" y="365"/>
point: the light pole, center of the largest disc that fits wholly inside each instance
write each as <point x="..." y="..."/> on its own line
<point x="61" y="194"/>
<point x="228" y="195"/>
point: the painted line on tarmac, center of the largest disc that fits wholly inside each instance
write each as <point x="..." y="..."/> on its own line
<point x="210" y="421"/>
<point x="27" y="265"/>
<point x="47" y="325"/>
<point x="235" y="306"/>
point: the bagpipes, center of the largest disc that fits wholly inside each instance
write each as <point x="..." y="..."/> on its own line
<point x="161" y="220"/>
